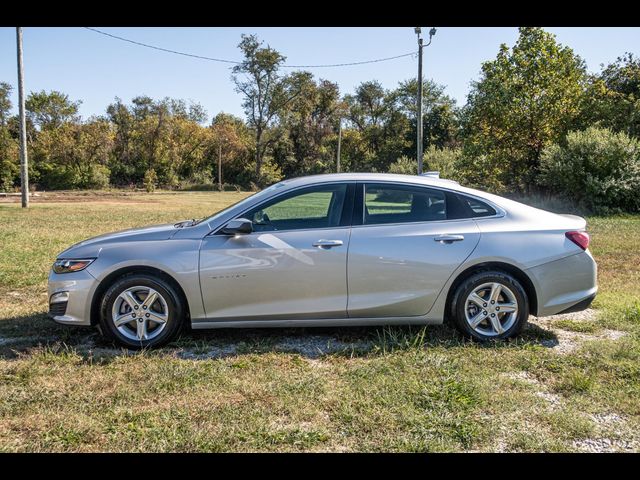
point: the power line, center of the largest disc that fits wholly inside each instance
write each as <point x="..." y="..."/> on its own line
<point x="201" y="57"/>
<point x="160" y="48"/>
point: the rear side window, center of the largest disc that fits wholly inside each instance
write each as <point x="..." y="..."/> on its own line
<point x="386" y="203"/>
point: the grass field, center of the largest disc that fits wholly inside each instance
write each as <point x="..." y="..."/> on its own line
<point x="570" y="383"/>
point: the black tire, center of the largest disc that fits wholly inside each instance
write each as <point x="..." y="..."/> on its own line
<point x="473" y="282"/>
<point x="174" y="306"/>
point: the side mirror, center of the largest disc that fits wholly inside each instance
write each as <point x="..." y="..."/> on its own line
<point x="239" y="226"/>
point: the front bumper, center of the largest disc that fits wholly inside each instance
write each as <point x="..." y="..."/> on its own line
<point x="80" y="287"/>
<point x="565" y="285"/>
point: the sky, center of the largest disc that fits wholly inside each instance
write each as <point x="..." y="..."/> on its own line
<point x="95" y="69"/>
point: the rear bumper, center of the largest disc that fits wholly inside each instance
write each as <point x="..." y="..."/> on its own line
<point x="578" y="307"/>
<point x="565" y="285"/>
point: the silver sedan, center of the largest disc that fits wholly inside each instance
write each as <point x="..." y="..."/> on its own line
<point x="330" y="250"/>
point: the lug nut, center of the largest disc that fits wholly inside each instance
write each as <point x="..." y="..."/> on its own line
<point x="484" y="313"/>
<point x="493" y="314"/>
<point x="146" y="315"/>
<point x="492" y="302"/>
<point x="133" y="315"/>
<point x="136" y="307"/>
<point x="484" y="304"/>
<point x="145" y="307"/>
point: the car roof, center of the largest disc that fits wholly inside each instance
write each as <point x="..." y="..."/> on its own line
<point x="503" y="203"/>
<point x="391" y="177"/>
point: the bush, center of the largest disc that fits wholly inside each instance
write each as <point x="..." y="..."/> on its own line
<point x="150" y="180"/>
<point x="404" y="165"/>
<point x="54" y="177"/>
<point x="270" y="173"/>
<point x="447" y="161"/>
<point x="9" y="172"/>
<point x="98" y="177"/>
<point x="596" y="168"/>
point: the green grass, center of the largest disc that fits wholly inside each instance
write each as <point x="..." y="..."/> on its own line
<point x="379" y="389"/>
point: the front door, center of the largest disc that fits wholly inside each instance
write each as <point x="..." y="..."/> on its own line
<point x="293" y="266"/>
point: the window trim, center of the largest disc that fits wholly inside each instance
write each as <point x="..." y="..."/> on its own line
<point x="360" y="196"/>
<point x="349" y="197"/>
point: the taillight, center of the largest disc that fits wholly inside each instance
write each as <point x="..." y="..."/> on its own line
<point x="579" y="238"/>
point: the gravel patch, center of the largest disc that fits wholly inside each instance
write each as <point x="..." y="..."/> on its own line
<point x="605" y="445"/>
<point x="314" y="346"/>
<point x="219" y="351"/>
<point x="613" y="334"/>
<point x="310" y="346"/>
<point x="551" y="399"/>
<point x="567" y="341"/>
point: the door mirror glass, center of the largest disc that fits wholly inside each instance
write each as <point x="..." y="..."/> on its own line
<point x="239" y="226"/>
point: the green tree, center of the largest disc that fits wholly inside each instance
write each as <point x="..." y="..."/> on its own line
<point x="266" y="93"/>
<point x="163" y="135"/>
<point x="381" y="125"/>
<point x="615" y="96"/>
<point x="528" y="97"/>
<point x="50" y="110"/>
<point x="74" y="155"/>
<point x="229" y="150"/>
<point x="5" y="103"/>
<point x="310" y="125"/>
<point x="9" y="162"/>
<point x="440" y="114"/>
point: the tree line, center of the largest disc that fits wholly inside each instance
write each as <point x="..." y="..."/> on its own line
<point x="533" y="117"/>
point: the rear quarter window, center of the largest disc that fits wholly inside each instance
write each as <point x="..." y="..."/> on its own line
<point x="477" y="208"/>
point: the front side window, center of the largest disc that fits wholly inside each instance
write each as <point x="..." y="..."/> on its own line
<point x="312" y="207"/>
<point x="386" y="203"/>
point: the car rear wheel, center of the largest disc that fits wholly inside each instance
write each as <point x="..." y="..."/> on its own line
<point x="141" y="311"/>
<point x="490" y="305"/>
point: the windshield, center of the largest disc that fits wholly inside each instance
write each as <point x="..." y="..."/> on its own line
<point x="255" y="196"/>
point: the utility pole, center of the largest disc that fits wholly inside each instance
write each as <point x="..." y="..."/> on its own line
<point x="419" y="142"/>
<point x="220" y="166"/>
<point x="24" y="166"/>
<point x="339" y="142"/>
<point x="419" y="115"/>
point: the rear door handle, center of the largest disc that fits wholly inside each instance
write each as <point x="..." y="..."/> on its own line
<point x="448" y="238"/>
<point x="325" y="244"/>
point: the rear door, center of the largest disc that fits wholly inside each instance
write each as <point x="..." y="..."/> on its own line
<point x="409" y="241"/>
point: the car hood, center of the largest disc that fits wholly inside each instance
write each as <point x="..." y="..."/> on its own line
<point x="92" y="246"/>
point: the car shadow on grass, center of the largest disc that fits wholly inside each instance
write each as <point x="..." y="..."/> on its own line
<point x="25" y="335"/>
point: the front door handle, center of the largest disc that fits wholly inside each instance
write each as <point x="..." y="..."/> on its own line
<point x="325" y="244"/>
<point x="448" y="238"/>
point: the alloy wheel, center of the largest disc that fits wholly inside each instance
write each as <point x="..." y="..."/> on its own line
<point x="140" y="313"/>
<point x="491" y="309"/>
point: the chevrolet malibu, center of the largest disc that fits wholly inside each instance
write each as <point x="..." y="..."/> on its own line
<point x="331" y="250"/>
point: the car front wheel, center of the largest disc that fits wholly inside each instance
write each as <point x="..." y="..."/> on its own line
<point x="490" y="305"/>
<point x="141" y="311"/>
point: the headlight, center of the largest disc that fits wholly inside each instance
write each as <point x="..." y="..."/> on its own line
<point x="65" y="265"/>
